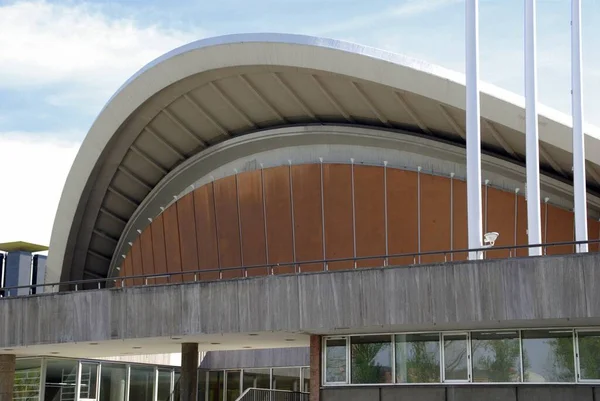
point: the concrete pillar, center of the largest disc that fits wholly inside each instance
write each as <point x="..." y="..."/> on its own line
<point x="7" y="377"/>
<point x="315" y="368"/>
<point x="189" y="372"/>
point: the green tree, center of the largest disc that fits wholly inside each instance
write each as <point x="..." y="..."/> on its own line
<point x="365" y="368"/>
<point x="501" y="360"/>
<point x="423" y="366"/>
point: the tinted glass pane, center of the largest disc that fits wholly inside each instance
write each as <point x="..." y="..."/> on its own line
<point x="141" y="383"/>
<point x="371" y="358"/>
<point x="27" y="379"/>
<point x="455" y="357"/>
<point x="89" y="376"/>
<point x="61" y="377"/>
<point x="286" y="379"/>
<point x="589" y="355"/>
<point x="233" y="385"/>
<point x="215" y="386"/>
<point x="164" y="384"/>
<point x="496" y="357"/>
<point x="112" y="382"/>
<point x="548" y="356"/>
<point x="335" y="361"/>
<point x="257" y="378"/>
<point x="306" y="380"/>
<point x="418" y="358"/>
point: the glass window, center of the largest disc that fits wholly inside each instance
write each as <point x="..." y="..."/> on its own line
<point x="61" y="379"/>
<point x="306" y="380"/>
<point x="141" y="383"/>
<point x="27" y="379"/>
<point x="215" y="385"/>
<point x="456" y="366"/>
<point x="496" y="357"/>
<point x="233" y="385"/>
<point x="371" y="358"/>
<point x="418" y="358"/>
<point x="89" y="378"/>
<point x="257" y="378"/>
<point x="548" y="356"/>
<point x="286" y="379"/>
<point x="335" y="360"/>
<point x="112" y="382"/>
<point x="164" y="384"/>
<point x="589" y="354"/>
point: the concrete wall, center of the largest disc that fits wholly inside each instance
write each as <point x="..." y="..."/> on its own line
<point x="528" y="292"/>
<point x="256" y="358"/>
<point x="463" y="393"/>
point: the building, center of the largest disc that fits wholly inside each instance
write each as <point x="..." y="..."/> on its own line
<point x="268" y="191"/>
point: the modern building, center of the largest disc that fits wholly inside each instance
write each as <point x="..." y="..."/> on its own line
<point x="282" y="201"/>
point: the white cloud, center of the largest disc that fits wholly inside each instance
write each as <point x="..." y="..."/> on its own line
<point x="33" y="170"/>
<point x="76" y="50"/>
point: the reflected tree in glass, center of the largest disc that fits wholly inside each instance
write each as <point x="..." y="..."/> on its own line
<point x="548" y="356"/>
<point x="589" y="355"/>
<point x="335" y="360"/>
<point x="371" y="359"/>
<point x="417" y="358"/>
<point x="496" y="357"/>
<point x="455" y="357"/>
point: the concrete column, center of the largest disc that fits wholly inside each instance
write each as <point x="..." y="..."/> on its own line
<point x="7" y="377"/>
<point x="315" y="368"/>
<point x="189" y="372"/>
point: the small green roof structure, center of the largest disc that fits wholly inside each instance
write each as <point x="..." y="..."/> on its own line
<point x="22" y="246"/>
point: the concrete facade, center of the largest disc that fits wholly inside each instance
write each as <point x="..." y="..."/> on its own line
<point x="7" y="377"/>
<point x="526" y="292"/>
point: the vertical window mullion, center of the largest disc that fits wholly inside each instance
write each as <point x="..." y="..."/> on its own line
<point x="393" y="338"/>
<point x="521" y="355"/>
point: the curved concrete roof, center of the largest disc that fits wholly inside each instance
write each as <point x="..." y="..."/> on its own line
<point x="206" y="92"/>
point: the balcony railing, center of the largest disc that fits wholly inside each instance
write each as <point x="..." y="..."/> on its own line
<point x="259" y="394"/>
<point x="401" y="259"/>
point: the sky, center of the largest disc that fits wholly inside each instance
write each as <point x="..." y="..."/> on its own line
<point x="60" y="61"/>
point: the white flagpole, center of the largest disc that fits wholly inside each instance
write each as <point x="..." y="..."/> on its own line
<point x="474" y="212"/>
<point x="534" y="226"/>
<point x="579" y="190"/>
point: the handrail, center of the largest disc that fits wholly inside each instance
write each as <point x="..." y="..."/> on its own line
<point x="74" y="285"/>
<point x="254" y="394"/>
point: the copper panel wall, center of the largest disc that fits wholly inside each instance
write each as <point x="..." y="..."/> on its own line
<point x="275" y="216"/>
<point x="337" y="196"/>
<point x="308" y="219"/>
<point x="369" y="210"/>
<point x="435" y="216"/>
<point x="252" y="221"/>
<point x="501" y="219"/>
<point x="459" y="219"/>
<point x="402" y="206"/>
<point x="279" y="217"/>
<point x="206" y="231"/>
<point x="228" y="226"/>
<point x="187" y="235"/>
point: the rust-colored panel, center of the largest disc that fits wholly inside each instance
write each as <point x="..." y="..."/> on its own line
<point x="369" y="206"/>
<point x="501" y="218"/>
<point x="206" y="232"/>
<point x="337" y="196"/>
<point x="253" y="222"/>
<point x="158" y="248"/>
<point x="127" y="269"/>
<point x="402" y="214"/>
<point x="187" y="235"/>
<point x="308" y="221"/>
<point x="172" y="244"/>
<point x="279" y="217"/>
<point x="228" y="229"/>
<point x="136" y="262"/>
<point x="459" y="219"/>
<point x="435" y="217"/>
<point x="560" y="229"/>
<point x="593" y="234"/>
<point x="147" y="256"/>
<point x="521" y="225"/>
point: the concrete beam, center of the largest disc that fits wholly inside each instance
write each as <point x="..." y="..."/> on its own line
<point x="506" y="293"/>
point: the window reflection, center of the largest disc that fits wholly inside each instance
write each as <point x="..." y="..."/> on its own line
<point x="27" y="379"/>
<point x="257" y="378"/>
<point x="335" y="360"/>
<point x="112" y="382"/>
<point x="286" y="379"/>
<point x="61" y="379"/>
<point x="233" y="385"/>
<point x="496" y="357"/>
<point x="455" y="357"/>
<point x="589" y="355"/>
<point x="371" y="358"/>
<point x="141" y="383"/>
<point x="417" y="358"/>
<point x="548" y="356"/>
<point x="306" y="380"/>
<point x="215" y="385"/>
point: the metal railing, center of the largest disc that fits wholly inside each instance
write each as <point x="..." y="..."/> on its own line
<point x="260" y="394"/>
<point x="400" y="259"/>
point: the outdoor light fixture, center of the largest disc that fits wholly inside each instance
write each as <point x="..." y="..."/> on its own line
<point x="489" y="239"/>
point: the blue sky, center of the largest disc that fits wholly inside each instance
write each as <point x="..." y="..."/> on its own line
<point x="61" y="60"/>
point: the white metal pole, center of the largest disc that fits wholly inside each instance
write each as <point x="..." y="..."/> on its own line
<point x="474" y="213"/>
<point x="579" y="191"/>
<point x="534" y="226"/>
